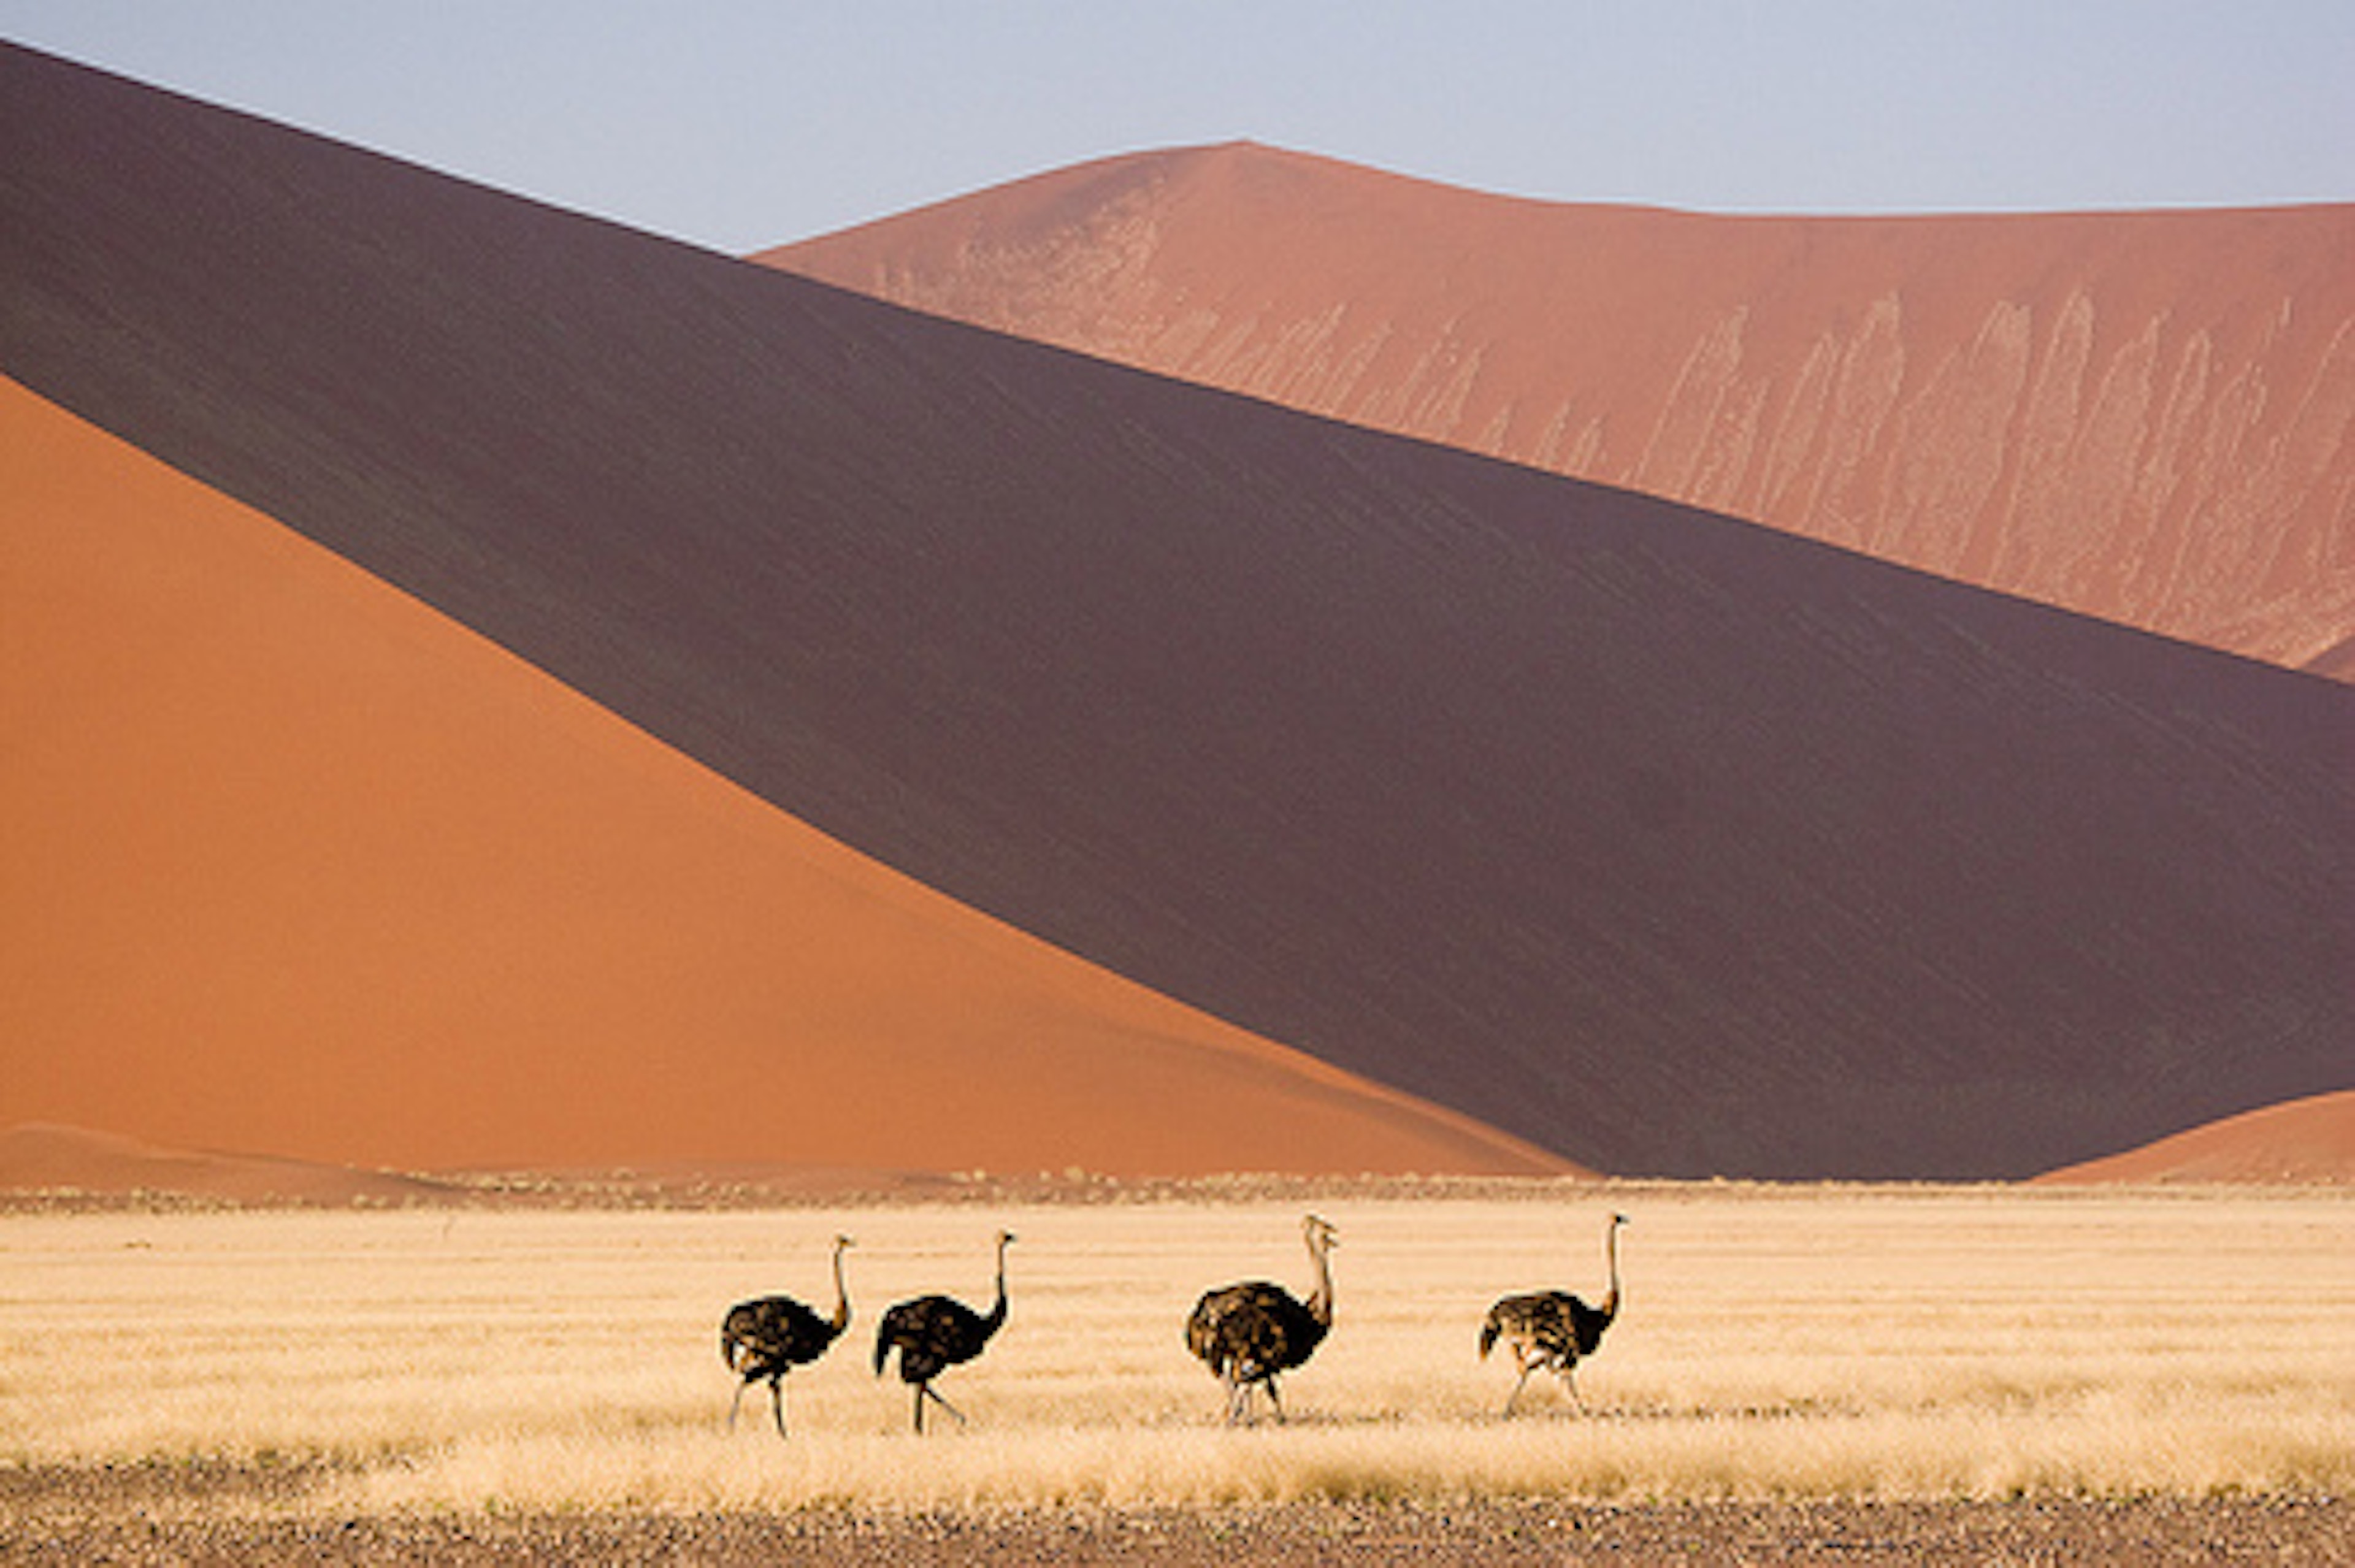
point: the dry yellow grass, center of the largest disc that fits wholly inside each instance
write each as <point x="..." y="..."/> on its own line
<point x="1834" y="1342"/>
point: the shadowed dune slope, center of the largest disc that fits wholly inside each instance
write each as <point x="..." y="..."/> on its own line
<point x="1670" y="843"/>
<point x="2310" y="1140"/>
<point x="296" y="864"/>
<point x="2148" y="417"/>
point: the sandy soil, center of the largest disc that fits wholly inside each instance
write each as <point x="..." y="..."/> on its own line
<point x="203" y="1514"/>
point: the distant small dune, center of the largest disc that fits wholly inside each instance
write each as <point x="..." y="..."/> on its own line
<point x="44" y="1157"/>
<point x="2306" y="1142"/>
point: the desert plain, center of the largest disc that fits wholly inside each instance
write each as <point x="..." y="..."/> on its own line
<point x="488" y="689"/>
<point x="1960" y="1370"/>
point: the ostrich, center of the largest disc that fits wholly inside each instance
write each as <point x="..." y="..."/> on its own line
<point x="1248" y="1333"/>
<point x="932" y="1333"/>
<point x="1551" y="1329"/>
<point x="769" y="1337"/>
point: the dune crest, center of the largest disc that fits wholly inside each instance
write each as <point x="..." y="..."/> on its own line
<point x="2147" y="417"/>
<point x="297" y="864"/>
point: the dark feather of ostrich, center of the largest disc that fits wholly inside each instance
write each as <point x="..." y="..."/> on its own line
<point x="1252" y="1331"/>
<point x="763" y="1337"/>
<point x="931" y="1333"/>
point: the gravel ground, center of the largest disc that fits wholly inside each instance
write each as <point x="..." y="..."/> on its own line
<point x="202" y="1514"/>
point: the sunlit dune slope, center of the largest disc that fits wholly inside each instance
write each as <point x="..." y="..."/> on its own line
<point x="2148" y="417"/>
<point x="297" y="865"/>
<point x="2310" y="1140"/>
<point x="44" y="1157"/>
<point x="1671" y="842"/>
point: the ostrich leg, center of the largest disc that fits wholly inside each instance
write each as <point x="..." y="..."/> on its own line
<point x="933" y="1395"/>
<point x="1518" y="1383"/>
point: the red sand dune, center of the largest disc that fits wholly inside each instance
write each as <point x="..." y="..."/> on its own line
<point x="38" y="1157"/>
<point x="1671" y="843"/>
<point x="2308" y="1141"/>
<point x="2147" y="417"/>
<point x="295" y="864"/>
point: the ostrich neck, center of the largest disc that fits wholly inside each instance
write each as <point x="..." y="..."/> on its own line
<point x="997" y="1312"/>
<point x="1320" y="1302"/>
<point x="1611" y="1297"/>
<point x="841" y="1296"/>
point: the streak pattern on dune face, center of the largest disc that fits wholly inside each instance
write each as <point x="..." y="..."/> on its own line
<point x="1671" y="843"/>
<point x="295" y="865"/>
<point x="2145" y="417"/>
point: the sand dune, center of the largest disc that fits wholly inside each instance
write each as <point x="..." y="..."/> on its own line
<point x="40" y="1157"/>
<point x="297" y="865"/>
<point x="1671" y="844"/>
<point x="2146" y="417"/>
<point x="2305" y="1141"/>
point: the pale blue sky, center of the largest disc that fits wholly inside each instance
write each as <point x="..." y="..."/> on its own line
<point x="736" y="124"/>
